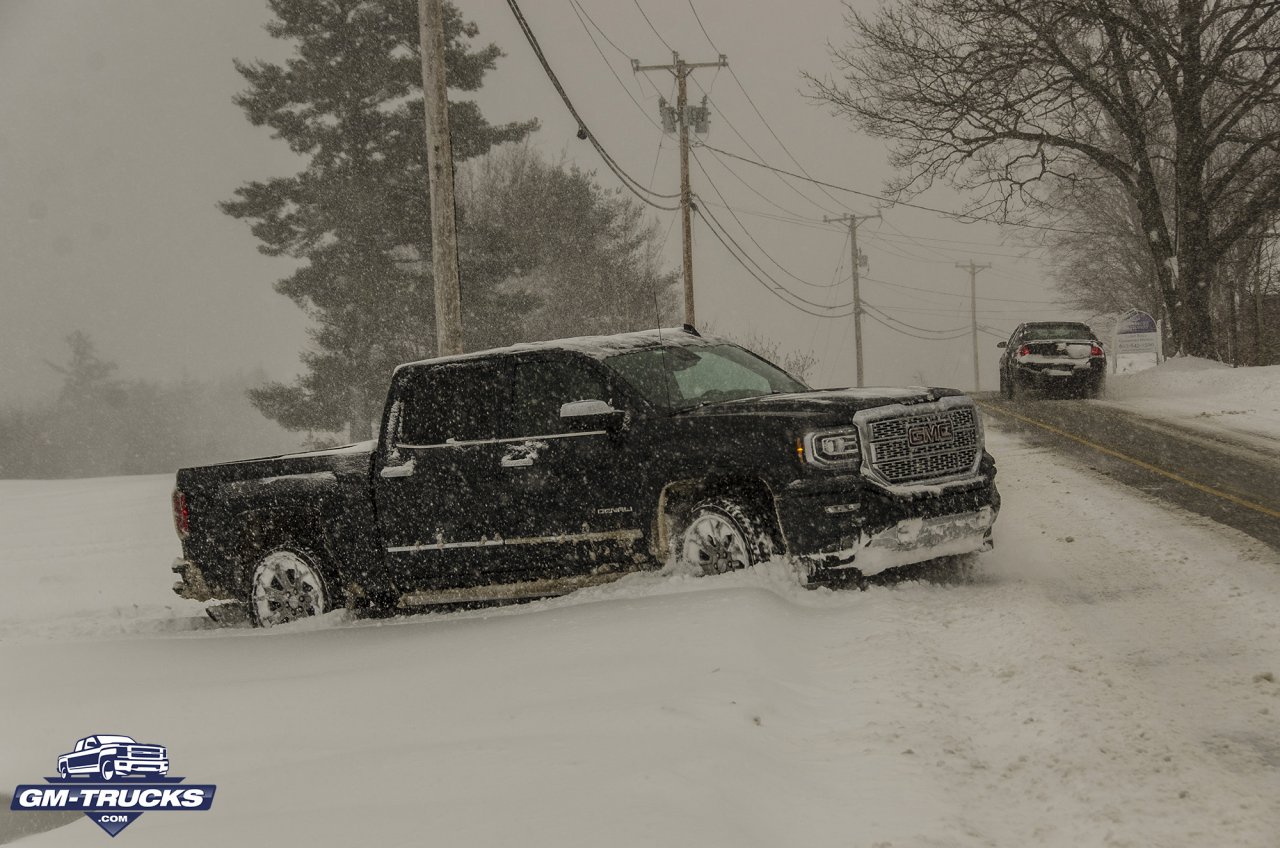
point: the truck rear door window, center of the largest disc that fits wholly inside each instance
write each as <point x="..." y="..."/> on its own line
<point x="453" y="402"/>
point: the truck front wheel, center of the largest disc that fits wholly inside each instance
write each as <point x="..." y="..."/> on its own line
<point x="722" y="535"/>
<point x="286" y="585"/>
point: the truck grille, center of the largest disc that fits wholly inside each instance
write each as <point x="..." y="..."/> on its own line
<point x="146" y="752"/>
<point x="921" y="447"/>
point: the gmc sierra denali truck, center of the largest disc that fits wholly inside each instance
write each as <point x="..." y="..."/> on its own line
<point x="534" y="470"/>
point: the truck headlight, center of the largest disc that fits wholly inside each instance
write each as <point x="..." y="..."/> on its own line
<point x="836" y="448"/>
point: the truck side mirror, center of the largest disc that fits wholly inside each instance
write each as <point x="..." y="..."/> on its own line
<point x="592" y="415"/>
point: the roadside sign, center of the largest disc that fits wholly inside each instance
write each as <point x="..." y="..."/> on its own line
<point x="1136" y="332"/>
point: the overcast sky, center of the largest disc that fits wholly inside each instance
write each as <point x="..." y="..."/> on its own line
<point x="119" y="137"/>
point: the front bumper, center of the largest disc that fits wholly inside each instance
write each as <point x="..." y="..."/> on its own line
<point x="847" y="524"/>
<point x="142" y="766"/>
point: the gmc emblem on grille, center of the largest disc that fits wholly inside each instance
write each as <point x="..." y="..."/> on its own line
<point x="934" y="432"/>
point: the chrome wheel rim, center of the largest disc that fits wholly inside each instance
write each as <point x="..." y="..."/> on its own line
<point x="286" y="588"/>
<point x="714" y="544"/>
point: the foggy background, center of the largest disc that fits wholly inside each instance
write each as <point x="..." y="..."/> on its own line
<point x="120" y="137"/>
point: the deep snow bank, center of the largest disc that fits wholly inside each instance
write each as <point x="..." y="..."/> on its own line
<point x="1207" y="395"/>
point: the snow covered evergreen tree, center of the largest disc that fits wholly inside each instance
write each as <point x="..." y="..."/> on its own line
<point x="358" y="215"/>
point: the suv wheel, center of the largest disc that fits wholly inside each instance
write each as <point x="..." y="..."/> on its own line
<point x="286" y="585"/>
<point x="722" y="535"/>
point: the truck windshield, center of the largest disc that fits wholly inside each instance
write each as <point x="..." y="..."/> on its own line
<point x="685" y="377"/>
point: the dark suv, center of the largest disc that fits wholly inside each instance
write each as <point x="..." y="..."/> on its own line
<point x="1062" y="357"/>
<point x="537" y="469"/>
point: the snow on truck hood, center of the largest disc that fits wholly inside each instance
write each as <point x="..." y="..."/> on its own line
<point x="826" y="402"/>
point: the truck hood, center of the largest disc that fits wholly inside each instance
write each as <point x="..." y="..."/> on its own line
<point x="826" y="406"/>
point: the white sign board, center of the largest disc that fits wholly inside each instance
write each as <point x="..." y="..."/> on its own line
<point x="1136" y="333"/>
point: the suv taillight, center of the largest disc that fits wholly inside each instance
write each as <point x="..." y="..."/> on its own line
<point x="1096" y="350"/>
<point x="181" y="514"/>
<point x="1024" y="351"/>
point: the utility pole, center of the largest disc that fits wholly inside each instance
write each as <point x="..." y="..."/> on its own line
<point x="444" y="230"/>
<point x="855" y="258"/>
<point x="973" y="313"/>
<point x="683" y="116"/>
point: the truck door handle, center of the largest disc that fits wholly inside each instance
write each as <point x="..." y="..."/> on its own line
<point x="517" y="461"/>
<point x="405" y="470"/>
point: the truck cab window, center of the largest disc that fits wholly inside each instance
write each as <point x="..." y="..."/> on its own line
<point x="454" y="401"/>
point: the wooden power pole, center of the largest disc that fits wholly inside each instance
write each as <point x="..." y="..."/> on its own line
<point x="855" y="259"/>
<point x="683" y="117"/>
<point x="973" y="314"/>
<point x="444" y="230"/>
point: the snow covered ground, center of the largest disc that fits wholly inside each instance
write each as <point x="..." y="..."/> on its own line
<point x="1112" y="678"/>
<point x="1243" y="403"/>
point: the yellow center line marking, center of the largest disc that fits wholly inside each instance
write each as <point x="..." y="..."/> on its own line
<point x="1155" y="469"/>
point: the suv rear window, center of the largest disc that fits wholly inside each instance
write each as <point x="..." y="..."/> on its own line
<point x="1039" y="332"/>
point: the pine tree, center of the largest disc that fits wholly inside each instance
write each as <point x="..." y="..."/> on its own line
<point x="358" y="215"/>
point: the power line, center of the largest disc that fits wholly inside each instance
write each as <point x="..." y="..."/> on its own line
<point x="888" y="317"/>
<point x="630" y="182"/>
<point x="954" y="294"/>
<point x="733" y="248"/>
<point x="962" y="217"/>
<point x="796" y="215"/>
<point x="577" y="11"/>
<point x="760" y="114"/>
<point x="778" y="172"/>
<point x="652" y="27"/>
<point x="882" y="323"/>
<point x="769" y="276"/>
<point x="743" y="226"/>
<point x="603" y="34"/>
<point x="713" y="226"/>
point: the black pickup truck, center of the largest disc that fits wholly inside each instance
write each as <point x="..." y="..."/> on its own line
<point x="537" y="469"/>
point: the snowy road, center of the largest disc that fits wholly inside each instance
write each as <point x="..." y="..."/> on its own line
<point x="1228" y="476"/>
<point x="1111" y="679"/>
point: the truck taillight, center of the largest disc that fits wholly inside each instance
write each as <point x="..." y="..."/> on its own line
<point x="181" y="514"/>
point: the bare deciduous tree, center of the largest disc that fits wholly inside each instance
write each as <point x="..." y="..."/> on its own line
<point x="1006" y="98"/>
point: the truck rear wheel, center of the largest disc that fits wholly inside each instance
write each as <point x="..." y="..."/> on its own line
<point x="286" y="585"/>
<point x="723" y="535"/>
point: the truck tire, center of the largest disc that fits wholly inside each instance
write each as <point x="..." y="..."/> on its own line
<point x="286" y="584"/>
<point x="723" y="535"/>
<point x="107" y="768"/>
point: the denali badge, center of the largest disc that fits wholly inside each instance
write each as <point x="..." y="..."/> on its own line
<point x="935" y="432"/>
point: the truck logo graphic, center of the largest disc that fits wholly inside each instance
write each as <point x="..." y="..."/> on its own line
<point x="113" y="779"/>
<point x="935" y="432"/>
<point x="109" y="756"/>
